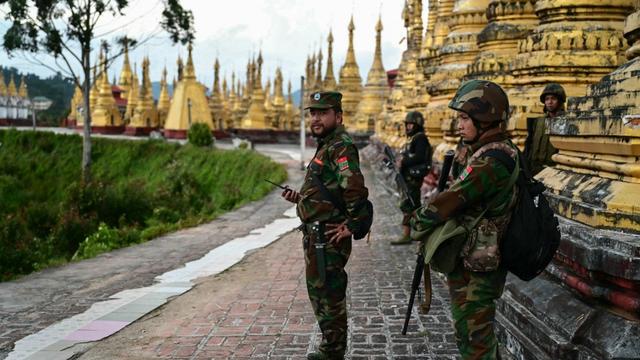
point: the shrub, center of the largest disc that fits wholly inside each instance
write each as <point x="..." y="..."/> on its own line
<point x="200" y="135"/>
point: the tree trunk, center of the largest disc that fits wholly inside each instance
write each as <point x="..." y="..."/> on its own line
<point x="86" y="141"/>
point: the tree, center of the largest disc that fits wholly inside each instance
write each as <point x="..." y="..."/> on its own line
<point x="66" y="29"/>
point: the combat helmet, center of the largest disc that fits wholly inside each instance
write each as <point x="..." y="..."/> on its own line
<point x="484" y="101"/>
<point x="554" y="89"/>
<point x="414" y="117"/>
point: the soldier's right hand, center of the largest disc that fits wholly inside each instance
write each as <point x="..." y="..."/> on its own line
<point x="291" y="195"/>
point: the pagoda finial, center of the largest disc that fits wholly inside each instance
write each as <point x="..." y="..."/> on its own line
<point x="329" y="78"/>
<point x="216" y="77"/>
<point x="180" y="68"/>
<point x="190" y="71"/>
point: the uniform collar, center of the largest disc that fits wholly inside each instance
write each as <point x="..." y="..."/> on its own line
<point x="492" y="135"/>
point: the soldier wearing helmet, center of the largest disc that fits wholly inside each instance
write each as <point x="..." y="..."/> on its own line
<point x="415" y="164"/>
<point x="481" y="196"/>
<point x="537" y="148"/>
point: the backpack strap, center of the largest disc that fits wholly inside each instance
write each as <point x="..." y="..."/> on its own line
<point x="327" y="194"/>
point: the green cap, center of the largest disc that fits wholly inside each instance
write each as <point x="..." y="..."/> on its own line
<point x="325" y="100"/>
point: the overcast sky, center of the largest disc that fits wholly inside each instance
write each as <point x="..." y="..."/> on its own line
<point x="286" y="31"/>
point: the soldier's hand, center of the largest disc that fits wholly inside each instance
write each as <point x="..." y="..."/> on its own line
<point x="291" y="195"/>
<point x="337" y="232"/>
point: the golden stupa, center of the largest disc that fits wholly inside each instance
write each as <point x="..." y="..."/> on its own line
<point x="329" y="82"/>
<point x="125" y="74"/>
<point x="145" y="115"/>
<point x="132" y="96"/>
<point x="279" y="102"/>
<point x="164" y="102"/>
<point x="215" y="100"/>
<point x="12" y="91"/>
<point x="350" y="83"/>
<point x="375" y="91"/>
<point x="255" y="117"/>
<point x="189" y="104"/>
<point x="105" y="117"/>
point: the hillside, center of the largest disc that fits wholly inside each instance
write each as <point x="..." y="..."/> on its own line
<point x="141" y="189"/>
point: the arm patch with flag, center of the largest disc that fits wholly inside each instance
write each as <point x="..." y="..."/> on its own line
<point x="343" y="163"/>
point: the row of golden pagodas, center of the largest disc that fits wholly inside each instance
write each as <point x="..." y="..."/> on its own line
<point x="361" y="105"/>
<point x="591" y="48"/>
<point x="129" y="106"/>
<point x="14" y="101"/>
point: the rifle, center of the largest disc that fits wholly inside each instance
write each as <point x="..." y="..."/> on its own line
<point x="390" y="162"/>
<point x="420" y="265"/>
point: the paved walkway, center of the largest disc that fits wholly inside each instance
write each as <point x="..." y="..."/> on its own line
<point x="259" y="308"/>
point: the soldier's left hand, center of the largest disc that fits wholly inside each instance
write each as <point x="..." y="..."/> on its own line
<point x="337" y="232"/>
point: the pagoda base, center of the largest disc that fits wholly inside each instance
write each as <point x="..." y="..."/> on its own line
<point x="221" y="134"/>
<point x="106" y="130"/>
<point x="16" y="122"/>
<point x="175" y="134"/>
<point x="543" y="320"/>
<point x="267" y="136"/>
<point x="139" y="131"/>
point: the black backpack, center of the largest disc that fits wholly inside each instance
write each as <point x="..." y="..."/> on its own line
<point x="533" y="235"/>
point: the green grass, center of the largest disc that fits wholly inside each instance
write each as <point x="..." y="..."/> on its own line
<point x="140" y="189"/>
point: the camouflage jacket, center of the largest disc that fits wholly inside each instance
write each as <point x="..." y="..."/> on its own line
<point x="479" y="182"/>
<point x="337" y="164"/>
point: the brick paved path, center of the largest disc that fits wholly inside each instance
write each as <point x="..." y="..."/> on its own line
<point x="259" y="309"/>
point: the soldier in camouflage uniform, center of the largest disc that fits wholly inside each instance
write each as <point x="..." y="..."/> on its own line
<point x="537" y="148"/>
<point x="415" y="164"/>
<point x="336" y="164"/>
<point x="477" y="279"/>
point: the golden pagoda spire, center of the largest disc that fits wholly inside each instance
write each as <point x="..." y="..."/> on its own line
<point x="189" y="104"/>
<point x="190" y="72"/>
<point x="132" y="98"/>
<point x="125" y="74"/>
<point x="329" y="79"/>
<point x="215" y="100"/>
<point x="22" y="90"/>
<point x="12" y="91"/>
<point x="256" y="116"/>
<point x="312" y="73"/>
<point x="288" y="116"/>
<point x="180" y="69"/>
<point x="145" y="115"/>
<point x="3" y="86"/>
<point x="416" y="25"/>
<point x="164" y="102"/>
<point x="375" y="91"/>
<point x="278" y="101"/>
<point x="106" y="113"/>
<point x="350" y="82"/>
<point x="318" y="81"/>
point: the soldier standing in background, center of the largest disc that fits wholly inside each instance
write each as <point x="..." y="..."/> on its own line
<point x="414" y="166"/>
<point x="483" y="190"/>
<point x="537" y="148"/>
<point x="333" y="175"/>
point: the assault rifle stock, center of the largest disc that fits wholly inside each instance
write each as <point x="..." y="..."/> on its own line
<point x="390" y="162"/>
<point x="420" y="265"/>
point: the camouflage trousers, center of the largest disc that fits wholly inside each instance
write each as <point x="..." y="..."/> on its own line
<point x="413" y="186"/>
<point x="328" y="299"/>
<point x="473" y="308"/>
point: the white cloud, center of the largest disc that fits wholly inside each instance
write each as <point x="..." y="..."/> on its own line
<point x="285" y="30"/>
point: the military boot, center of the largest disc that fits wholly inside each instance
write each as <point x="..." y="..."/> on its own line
<point x="403" y="240"/>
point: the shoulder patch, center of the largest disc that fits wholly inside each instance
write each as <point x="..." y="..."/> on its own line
<point x="343" y="163"/>
<point x="465" y="173"/>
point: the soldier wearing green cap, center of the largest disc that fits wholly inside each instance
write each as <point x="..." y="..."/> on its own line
<point x="335" y="165"/>
<point x="483" y="190"/>
<point x="537" y="148"/>
<point x="414" y="165"/>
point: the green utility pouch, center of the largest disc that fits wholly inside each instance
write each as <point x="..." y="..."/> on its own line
<point x="444" y="244"/>
<point x="481" y="251"/>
